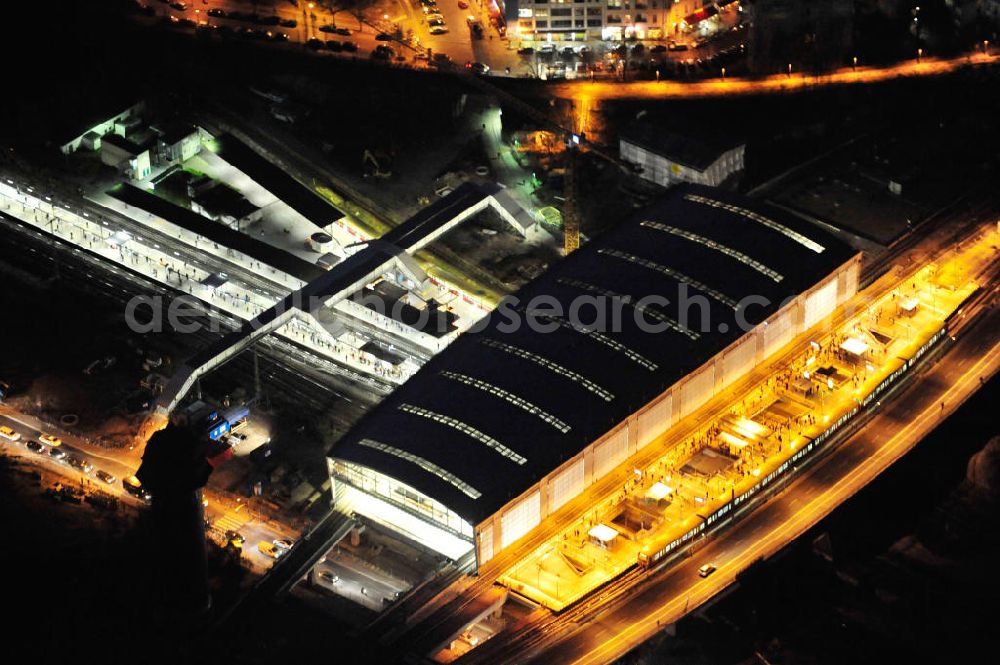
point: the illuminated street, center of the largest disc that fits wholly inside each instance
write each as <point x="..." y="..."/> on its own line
<point x="773" y="84"/>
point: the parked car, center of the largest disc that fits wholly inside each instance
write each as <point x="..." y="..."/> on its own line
<point x="35" y="447"/>
<point x="328" y="28"/>
<point x="383" y="37"/>
<point x="462" y="4"/>
<point x="270" y="550"/>
<point x="132" y="486"/>
<point x="334" y="45"/>
<point x="328" y="577"/>
<point x="382" y="52"/>
<point x="315" y="44"/>
<point x="79" y="464"/>
<point x="57" y="453"/>
<point x="105" y="477"/>
<point x="342" y="31"/>
<point x="527" y="50"/>
<point x="283" y="543"/>
<point x="478" y="68"/>
<point x="288" y="23"/>
<point x="350" y="47"/>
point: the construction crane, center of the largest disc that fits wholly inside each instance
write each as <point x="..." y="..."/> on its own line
<point x="571" y="221"/>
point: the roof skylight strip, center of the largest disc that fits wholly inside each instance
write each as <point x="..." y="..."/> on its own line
<point x="760" y="219"/>
<point x="670" y="272"/>
<point x="630" y="300"/>
<point x="424" y="464"/>
<point x="612" y="344"/>
<point x="549" y="365"/>
<point x="717" y="246"/>
<point x="466" y="429"/>
<point x="510" y="397"/>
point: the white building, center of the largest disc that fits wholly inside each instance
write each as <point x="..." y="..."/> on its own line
<point x="132" y="160"/>
<point x="579" y="20"/>
<point x="90" y="137"/>
<point x="668" y="159"/>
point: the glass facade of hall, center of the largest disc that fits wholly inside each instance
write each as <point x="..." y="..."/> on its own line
<point x="402" y="496"/>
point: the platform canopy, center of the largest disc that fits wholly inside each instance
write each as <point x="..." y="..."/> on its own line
<point x="732" y="440"/>
<point x="854" y="346"/>
<point x="659" y="491"/>
<point x="603" y="533"/>
<point x="910" y="305"/>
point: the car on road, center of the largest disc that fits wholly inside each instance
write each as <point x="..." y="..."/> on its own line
<point x="179" y="6"/>
<point x="462" y="4"/>
<point x="235" y="538"/>
<point x="79" y="464"/>
<point x="57" y="453"/>
<point x="329" y="577"/>
<point x="283" y="543"/>
<point x="435" y="22"/>
<point x="478" y="68"/>
<point x="706" y="570"/>
<point x="527" y="50"/>
<point x="105" y="477"/>
<point x="429" y="3"/>
<point x="438" y="30"/>
<point x="9" y="434"/>
<point x="50" y="440"/>
<point x="35" y="447"/>
<point x="217" y="13"/>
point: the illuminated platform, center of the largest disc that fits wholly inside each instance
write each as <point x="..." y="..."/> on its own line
<point x="701" y="478"/>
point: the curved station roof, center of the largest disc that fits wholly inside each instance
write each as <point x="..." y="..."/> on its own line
<point x="505" y="405"/>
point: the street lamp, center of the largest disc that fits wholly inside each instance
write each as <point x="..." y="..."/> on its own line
<point x="854" y="62"/>
<point x="723" y="73"/>
<point x="789" y="70"/>
<point x="920" y="53"/>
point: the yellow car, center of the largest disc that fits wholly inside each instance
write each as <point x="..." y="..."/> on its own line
<point x="270" y="550"/>
<point x="9" y="434"/>
<point x="51" y="440"/>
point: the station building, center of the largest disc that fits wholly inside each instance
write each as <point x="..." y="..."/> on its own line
<point x="511" y="422"/>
